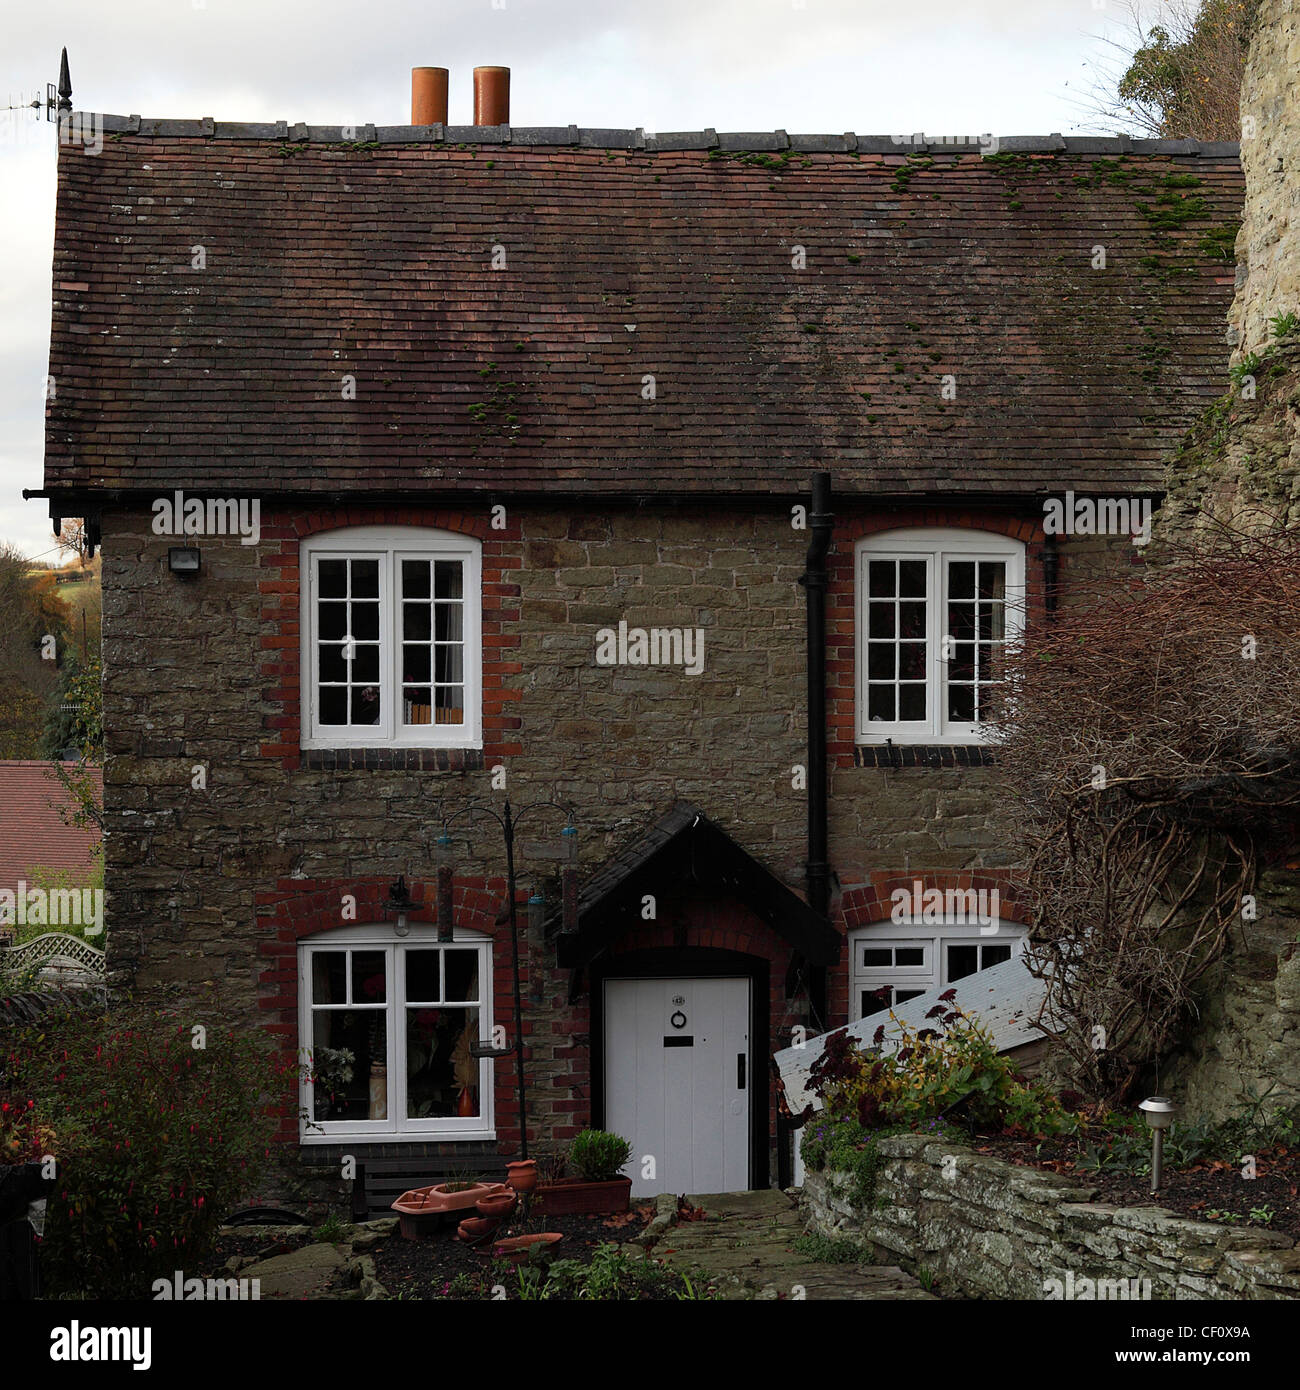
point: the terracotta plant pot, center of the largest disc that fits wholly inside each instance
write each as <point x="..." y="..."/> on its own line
<point x="420" y="1227"/>
<point x="497" y="1207"/>
<point x="476" y="1228"/>
<point x="517" y="1247"/>
<point x="423" y="1210"/>
<point x="578" y="1197"/>
<point x="522" y="1174"/>
<point x="421" y="1201"/>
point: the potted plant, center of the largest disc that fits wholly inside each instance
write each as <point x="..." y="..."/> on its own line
<point x="331" y="1074"/>
<point x="599" y="1189"/>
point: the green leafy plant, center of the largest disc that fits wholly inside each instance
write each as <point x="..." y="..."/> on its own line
<point x="1283" y="325"/>
<point x="613" y="1276"/>
<point x="949" y="1070"/>
<point x="832" y="1250"/>
<point x="598" y="1156"/>
<point x="333" y="1230"/>
<point x="1118" y="1141"/>
<point x="1248" y="366"/>
<point x="839" y="1143"/>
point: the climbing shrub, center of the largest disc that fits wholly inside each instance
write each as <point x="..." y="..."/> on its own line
<point x="156" y="1138"/>
<point x="1150" y="744"/>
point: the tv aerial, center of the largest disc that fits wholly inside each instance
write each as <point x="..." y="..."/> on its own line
<point x="56" y="100"/>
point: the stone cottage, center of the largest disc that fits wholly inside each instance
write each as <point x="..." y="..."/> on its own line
<point x="679" y="490"/>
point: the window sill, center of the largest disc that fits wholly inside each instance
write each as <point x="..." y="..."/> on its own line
<point x="930" y="755"/>
<point x="424" y="1136"/>
<point x="392" y="759"/>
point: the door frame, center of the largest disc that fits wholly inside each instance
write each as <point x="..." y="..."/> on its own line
<point x="704" y="963"/>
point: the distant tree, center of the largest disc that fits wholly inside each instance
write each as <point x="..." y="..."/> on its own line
<point x="1179" y="78"/>
<point x="31" y="611"/>
<point x="75" y="719"/>
<point x="72" y="537"/>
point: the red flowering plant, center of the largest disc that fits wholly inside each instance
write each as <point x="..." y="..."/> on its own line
<point x="162" y="1127"/>
<point x="25" y="1136"/>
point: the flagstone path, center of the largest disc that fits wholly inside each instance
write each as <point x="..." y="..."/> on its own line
<point x="746" y="1245"/>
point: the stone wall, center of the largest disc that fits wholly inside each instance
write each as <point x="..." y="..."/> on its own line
<point x="988" y="1229"/>
<point x="1268" y="246"/>
<point x="1246" y="1043"/>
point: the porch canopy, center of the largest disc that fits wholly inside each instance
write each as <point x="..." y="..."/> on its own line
<point x="686" y="847"/>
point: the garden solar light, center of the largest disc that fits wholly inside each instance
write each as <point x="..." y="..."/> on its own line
<point x="536" y="908"/>
<point x="442" y="856"/>
<point x="1158" y="1111"/>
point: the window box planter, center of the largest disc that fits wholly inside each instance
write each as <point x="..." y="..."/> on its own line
<point x="578" y="1197"/>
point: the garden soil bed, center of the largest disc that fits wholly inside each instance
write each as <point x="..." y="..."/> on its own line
<point x="424" y="1269"/>
<point x="420" y="1269"/>
<point x="1206" y="1191"/>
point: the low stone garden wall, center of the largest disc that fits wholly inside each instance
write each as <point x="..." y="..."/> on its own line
<point x="989" y="1229"/>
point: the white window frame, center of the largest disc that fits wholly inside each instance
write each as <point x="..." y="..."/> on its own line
<point x="391" y="545"/>
<point x="938" y="547"/>
<point x="397" y="1126"/>
<point x="934" y="938"/>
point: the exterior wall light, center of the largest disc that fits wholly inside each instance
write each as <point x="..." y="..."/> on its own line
<point x="1158" y="1112"/>
<point x="184" y="561"/>
<point x="400" y="903"/>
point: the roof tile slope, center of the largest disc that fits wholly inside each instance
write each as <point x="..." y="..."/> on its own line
<point x="326" y="260"/>
<point x="32" y="833"/>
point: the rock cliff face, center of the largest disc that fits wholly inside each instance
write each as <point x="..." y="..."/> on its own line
<point x="1268" y="246"/>
<point x="1240" y="467"/>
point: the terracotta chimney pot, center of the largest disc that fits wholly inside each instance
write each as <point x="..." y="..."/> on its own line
<point x="428" y="96"/>
<point x="491" y="96"/>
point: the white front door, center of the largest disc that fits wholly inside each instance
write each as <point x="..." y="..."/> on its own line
<point x="678" y="1073"/>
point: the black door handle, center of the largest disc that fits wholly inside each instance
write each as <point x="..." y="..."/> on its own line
<point x="740" y="1071"/>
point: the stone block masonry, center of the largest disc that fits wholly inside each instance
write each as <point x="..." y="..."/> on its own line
<point x="989" y="1229"/>
<point x="204" y="884"/>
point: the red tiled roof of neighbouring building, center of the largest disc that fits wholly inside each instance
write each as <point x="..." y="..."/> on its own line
<point x="32" y="833"/>
<point x="628" y="257"/>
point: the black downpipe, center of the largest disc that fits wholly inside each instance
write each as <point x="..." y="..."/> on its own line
<point x="818" y="868"/>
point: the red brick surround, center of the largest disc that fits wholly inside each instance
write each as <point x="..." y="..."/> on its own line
<point x="281" y="594"/>
<point x="841" y="599"/>
<point x="301" y="908"/>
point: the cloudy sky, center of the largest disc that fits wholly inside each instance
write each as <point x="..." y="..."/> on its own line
<point x="945" y="67"/>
